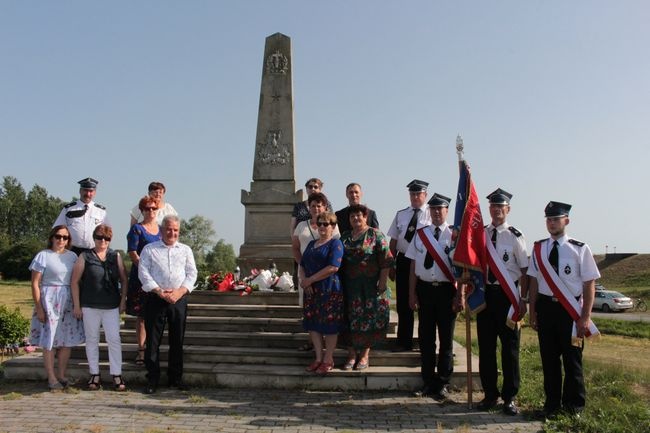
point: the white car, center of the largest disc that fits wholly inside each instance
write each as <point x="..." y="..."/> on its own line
<point x="609" y="300"/>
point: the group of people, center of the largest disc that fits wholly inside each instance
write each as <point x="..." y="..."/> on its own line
<point x="344" y="272"/>
<point x="343" y="263"/>
<point x="79" y="286"/>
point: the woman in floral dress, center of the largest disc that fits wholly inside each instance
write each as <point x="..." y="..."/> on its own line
<point x="366" y="263"/>
<point x="54" y="328"/>
<point x="323" y="303"/>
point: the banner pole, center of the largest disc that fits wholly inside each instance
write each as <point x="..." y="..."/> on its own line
<point x="468" y="349"/>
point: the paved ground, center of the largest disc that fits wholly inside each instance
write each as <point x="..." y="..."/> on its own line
<point x="27" y="407"/>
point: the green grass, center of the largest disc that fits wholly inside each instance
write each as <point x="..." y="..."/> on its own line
<point x="636" y="329"/>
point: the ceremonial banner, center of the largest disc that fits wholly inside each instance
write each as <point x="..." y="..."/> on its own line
<point x="469" y="256"/>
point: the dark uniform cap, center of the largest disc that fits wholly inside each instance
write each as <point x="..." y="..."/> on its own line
<point x="556" y="209"/>
<point x="499" y="196"/>
<point x="417" y="185"/>
<point x="439" y="200"/>
<point x="88" y="183"/>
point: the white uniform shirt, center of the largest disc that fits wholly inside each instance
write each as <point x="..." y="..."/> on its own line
<point x="400" y="225"/>
<point x="81" y="227"/>
<point x="168" y="209"/>
<point x="167" y="267"/>
<point x="576" y="265"/>
<point x="417" y="252"/>
<point x="511" y="249"/>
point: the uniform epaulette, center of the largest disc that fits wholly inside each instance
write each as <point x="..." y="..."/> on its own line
<point x="576" y="242"/>
<point x="514" y="231"/>
<point x="486" y="226"/>
<point x="541" y="240"/>
<point x="402" y="210"/>
<point x="72" y="203"/>
<point x="100" y="206"/>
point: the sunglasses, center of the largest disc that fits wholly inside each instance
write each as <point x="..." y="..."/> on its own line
<point x="322" y="224"/>
<point x="61" y="237"/>
<point x="149" y="209"/>
<point x="102" y="238"/>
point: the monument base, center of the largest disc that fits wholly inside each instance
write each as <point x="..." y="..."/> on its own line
<point x="259" y="256"/>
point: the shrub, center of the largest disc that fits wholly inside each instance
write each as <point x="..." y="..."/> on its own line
<point x="13" y="327"/>
<point x="15" y="260"/>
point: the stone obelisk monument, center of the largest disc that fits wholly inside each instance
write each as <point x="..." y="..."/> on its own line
<point x="272" y="192"/>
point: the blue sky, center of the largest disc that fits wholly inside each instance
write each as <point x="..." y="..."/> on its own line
<point x="551" y="98"/>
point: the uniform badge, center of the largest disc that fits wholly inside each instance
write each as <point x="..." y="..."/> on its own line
<point x="567" y="269"/>
<point x="447" y="249"/>
<point x="411" y="229"/>
<point x="506" y="257"/>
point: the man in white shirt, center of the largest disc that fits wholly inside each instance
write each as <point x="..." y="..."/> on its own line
<point x="82" y="216"/>
<point x="168" y="272"/>
<point x="562" y="285"/>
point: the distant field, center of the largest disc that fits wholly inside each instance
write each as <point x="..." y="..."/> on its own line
<point x="631" y="275"/>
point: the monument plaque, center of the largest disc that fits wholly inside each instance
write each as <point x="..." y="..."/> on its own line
<point x="272" y="194"/>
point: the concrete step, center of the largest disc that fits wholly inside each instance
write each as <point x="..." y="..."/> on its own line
<point x="245" y="375"/>
<point x="227" y="310"/>
<point x="235" y="297"/>
<point x="257" y="355"/>
<point x="241" y="324"/>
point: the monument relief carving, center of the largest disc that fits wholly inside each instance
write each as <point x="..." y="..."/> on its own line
<point x="277" y="63"/>
<point x="272" y="151"/>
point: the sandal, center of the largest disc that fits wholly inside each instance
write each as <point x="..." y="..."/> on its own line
<point x="324" y="368"/>
<point x="56" y="386"/>
<point x="313" y="366"/>
<point x="139" y="359"/>
<point x="94" y="382"/>
<point x="363" y="365"/>
<point x="118" y="383"/>
<point x="349" y="364"/>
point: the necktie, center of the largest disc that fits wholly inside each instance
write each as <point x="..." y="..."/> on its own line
<point x="410" y="231"/>
<point x="428" y="260"/>
<point x="491" y="277"/>
<point x="553" y="257"/>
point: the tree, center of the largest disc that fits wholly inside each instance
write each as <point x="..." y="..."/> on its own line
<point x="198" y="234"/>
<point x="221" y="258"/>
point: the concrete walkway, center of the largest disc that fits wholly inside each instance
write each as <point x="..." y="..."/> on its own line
<point x="28" y="407"/>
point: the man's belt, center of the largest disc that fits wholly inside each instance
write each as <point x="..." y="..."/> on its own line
<point x="553" y="298"/>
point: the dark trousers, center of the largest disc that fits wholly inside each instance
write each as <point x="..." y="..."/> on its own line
<point x="404" y="312"/>
<point x="435" y="314"/>
<point x="554" y="327"/>
<point x="491" y="324"/>
<point x="157" y="313"/>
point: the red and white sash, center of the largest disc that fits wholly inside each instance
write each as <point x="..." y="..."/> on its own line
<point x="437" y="252"/>
<point x="561" y="291"/>
<point x="499" y="270"/>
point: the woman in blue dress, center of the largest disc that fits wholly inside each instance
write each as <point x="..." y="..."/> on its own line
<point x="323" y="296"/>
<point x="140" y="235"/>
<point x="53" y="327"/>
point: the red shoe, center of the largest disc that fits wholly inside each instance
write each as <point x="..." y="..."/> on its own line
<point x="313" y="366"/>
<point x="324" y="368"/>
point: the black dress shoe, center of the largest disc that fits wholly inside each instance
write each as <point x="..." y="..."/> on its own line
<point x="487" y="403"/>
<point x="179" y="385"/>
<point x="440" y="394"/>
<point x="151" y="388"/>
<point x="510" y="408"/>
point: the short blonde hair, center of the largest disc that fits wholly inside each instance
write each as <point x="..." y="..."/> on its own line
<point x="329" y="217"/>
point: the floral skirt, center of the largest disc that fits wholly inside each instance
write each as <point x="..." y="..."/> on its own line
<point x="368" y="315"/>
<point x="61" y="328"/>
<point x="323" y="311"/>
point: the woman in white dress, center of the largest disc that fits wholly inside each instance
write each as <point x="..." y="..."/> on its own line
<point x="53" y="327"/>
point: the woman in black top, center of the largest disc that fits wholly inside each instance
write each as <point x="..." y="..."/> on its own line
<point x="99" y="288"/>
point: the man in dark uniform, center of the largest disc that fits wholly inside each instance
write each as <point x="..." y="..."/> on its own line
<point x="562" y="285"/>
<point x="82" y="216"/>
<point x="401" y="232"/>
<point x="501" y="298"/>
<point x="353" y="193"/>
<point x="433" y="293"/>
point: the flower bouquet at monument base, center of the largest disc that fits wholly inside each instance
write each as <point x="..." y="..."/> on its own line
<point x="266" y="280"/>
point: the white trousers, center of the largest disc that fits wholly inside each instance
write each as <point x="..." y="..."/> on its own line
<point x="94" y="318"/>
